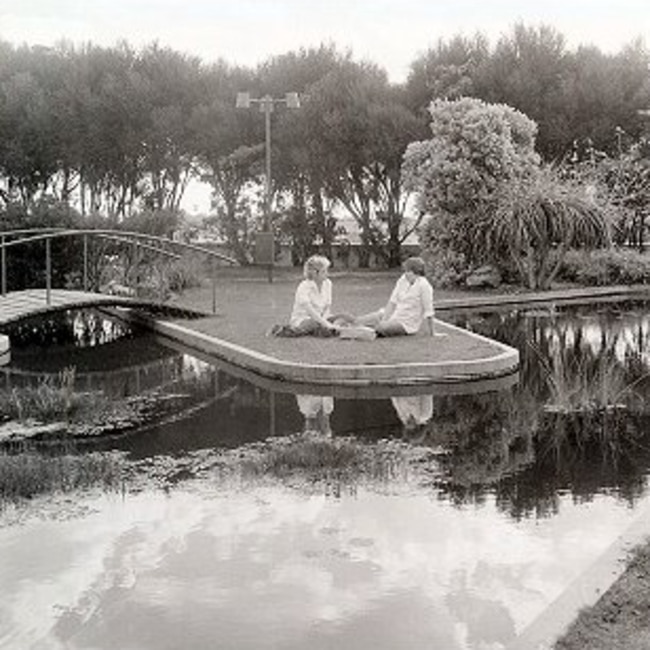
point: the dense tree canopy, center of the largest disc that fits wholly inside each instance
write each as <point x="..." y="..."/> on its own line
<point x="115" y="131"/>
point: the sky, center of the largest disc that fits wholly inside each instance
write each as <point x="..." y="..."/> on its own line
<point x="390" y="33"/>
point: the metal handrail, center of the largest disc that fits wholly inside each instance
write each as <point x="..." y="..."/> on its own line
<point x="123" y="236"/>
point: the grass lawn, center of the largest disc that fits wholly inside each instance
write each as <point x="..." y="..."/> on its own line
<point x="248" y="305"/>
<point x="621" y="618"/>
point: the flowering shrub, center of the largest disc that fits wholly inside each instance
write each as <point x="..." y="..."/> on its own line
<point x="475" y="147"/>
<point x="446" y="267"/>
<point x="475" y="150"/>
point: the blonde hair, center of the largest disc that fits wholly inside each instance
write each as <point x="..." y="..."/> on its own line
<point x="316" y="263"/>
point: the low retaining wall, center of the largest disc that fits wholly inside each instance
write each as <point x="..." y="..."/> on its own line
<point x="504" y="361"/>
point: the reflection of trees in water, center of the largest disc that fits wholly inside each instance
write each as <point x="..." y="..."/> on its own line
<point x="488" y="436"/>
<point x="584" y="454"/>
<point x="80" y="328"/>
<point x="578" y="420"/>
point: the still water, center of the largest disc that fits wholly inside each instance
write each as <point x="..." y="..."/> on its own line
<point x="531" y="478"/>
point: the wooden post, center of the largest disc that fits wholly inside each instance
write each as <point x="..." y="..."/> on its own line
<point x="85" y="262"/>
<point x="48" y="271"/>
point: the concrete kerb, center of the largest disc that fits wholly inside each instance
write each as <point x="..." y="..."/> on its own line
<point x="349" y="391"/>
<point x="585" y="590"/>
<point x="505" y="361"/>
<point x="559" y="296"/>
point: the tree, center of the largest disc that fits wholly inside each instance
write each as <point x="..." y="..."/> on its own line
<point x="303" y="167"/>
<point x="363" y="127"/>
<point x="230" y="150"/>
<point x="171" y="87"/>
<point x="447" y="71"/>
<point x="604" y="94"/>
<point x="526" y="71"/>
<point x="476" y="150"/>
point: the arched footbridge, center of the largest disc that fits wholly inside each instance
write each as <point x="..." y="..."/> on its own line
<point x="21" y="304"/>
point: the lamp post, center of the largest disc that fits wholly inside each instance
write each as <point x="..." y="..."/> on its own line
<point x="264" y="242"/>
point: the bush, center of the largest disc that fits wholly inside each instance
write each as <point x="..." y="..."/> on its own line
<point x="185" y="273"/>
<point x="446" y="266"/>
<point x="606" y="266"/>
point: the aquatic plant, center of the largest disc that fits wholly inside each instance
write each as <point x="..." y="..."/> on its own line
<point x="314" y="458"/>
<point x="53" y="400"/>
<point x="27" y="474"/>
<point x="589" y="382"/>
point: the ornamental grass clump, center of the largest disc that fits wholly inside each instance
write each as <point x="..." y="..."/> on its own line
<point x="315" y="458"/>
<point x="536" y="221"/>
<point x="53" y="400"/>
<point x="313" y="455"/>
<point x="28" y="474"/>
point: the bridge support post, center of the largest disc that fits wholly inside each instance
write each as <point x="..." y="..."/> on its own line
<point x="48" y="270"/>
<point x="85" y="262"/>
<point x="272" y="413"/>
<point x="3" y="269"/>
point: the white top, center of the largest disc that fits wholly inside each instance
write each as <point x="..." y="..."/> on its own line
<point x="414" y="408"/>
<point x="308" y="293"/>
<point x="413" y="302"/>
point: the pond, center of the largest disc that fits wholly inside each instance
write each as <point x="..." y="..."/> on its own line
<point x="517" y="487"/>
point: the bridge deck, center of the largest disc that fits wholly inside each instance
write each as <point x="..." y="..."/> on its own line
<point x="18" y="305"/>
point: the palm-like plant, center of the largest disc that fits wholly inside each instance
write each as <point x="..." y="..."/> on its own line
<point x="535" y="221"/>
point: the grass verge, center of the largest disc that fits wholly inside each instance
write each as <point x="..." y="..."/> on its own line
<point x="621" y="618"/>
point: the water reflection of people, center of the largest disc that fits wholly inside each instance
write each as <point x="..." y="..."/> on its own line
<point x="414" y="411"/>
<point x="316" y="410"/>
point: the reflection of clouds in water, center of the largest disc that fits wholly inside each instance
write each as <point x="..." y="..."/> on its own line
<point x="67" y="577"/>
<point x="262" y="568"/>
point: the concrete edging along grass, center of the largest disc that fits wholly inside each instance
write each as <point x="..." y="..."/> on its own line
<point x="350" y="391"/>
<point x="504" y="361"/>
<point x="585" y="590"/>
<point x="559" y="296"/>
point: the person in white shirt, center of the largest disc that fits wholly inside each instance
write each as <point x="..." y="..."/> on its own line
<point x="409" y="305"/>
<point x="312" y="305"/>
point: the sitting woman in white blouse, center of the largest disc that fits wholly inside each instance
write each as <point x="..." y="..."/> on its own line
<point x="312" y="305"/>
<point x="409" y="305"/>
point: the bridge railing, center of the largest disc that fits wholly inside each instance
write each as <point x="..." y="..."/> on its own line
<point x="140" y="241"/>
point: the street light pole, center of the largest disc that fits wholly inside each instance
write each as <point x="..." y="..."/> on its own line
<point x="264" y="241"/>
<point x="267" y="107"/>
